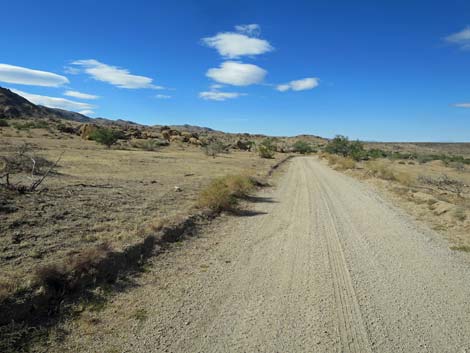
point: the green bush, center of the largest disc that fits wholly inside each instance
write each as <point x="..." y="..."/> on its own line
<point x="40" y="124"/>
<point x="105" y="136"/>
<point x="302" y="147"/>
<point x="214" y="148"/>
<point x="267" y="148"/>
<point x="4" y="123"/>
<point x="342" y="146"/>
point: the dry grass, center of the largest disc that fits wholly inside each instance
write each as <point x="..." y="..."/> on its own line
<point x="104" y="195"/>
<point x="222" y="193"/>
<point x="385" y="170"/>
<point x="339" y="162"/>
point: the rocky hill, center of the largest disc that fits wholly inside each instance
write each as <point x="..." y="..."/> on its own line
<point x="13" y="106"/>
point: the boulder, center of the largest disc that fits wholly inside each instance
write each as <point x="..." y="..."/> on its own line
<point x="166" y="135"/>
<point x="86" y="130"/>
<point x="195" y="141"/>
<point x="243" y="145"/>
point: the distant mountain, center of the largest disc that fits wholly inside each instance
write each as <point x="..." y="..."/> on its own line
<point x="13" y="106"/>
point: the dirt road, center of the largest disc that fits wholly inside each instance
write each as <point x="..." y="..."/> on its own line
<point x="322" y="264"/>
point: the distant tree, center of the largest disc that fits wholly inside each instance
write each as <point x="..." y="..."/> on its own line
<point x="342" y="146"/>
<point x="267" y="148"/>
<point x="302" y="147"/>
<point x="105" y="136"/>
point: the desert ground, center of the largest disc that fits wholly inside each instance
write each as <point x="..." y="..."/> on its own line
<point x="102" y="195"/>
<point x="328" y="253"/>
<point x="326" y="264"/>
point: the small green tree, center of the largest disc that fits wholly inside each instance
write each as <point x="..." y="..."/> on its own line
<point x="105" y="136"/>
<point x="302" y="147"/>
<point x="267" y="148"/>
<point x="342" y="146"/>
<point x="214" y="148"/>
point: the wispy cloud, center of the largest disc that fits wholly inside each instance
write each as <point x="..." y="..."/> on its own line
<point x="236" y="44"/>
<point x="162" y="96"/>
<point x="54" y="102"/>
<point x="87" y="112"/>
<point x="251" y="29"/>
<point x="462" y="105"/>
<point x="219" y="96"/>
<point x="24" y="76"/>
<point x="461" y="38"/>
<point x="80" y="95"/>
<point x="115" y="75"/>
<point x="237" y="73"/>
<point x="299" y="85"/>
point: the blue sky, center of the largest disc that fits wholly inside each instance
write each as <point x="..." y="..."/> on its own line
<point x="373" y="70"/>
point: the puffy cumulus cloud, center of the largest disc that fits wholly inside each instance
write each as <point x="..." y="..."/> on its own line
<point x="462" y="105"/>
<point x="461" y="38"/>
<point x="54" y="102"/>
<point x="237" y="73"/>
<point x="219" y="96"/>
<point x="80" y="95"/>
<point x="299" y="85"/>
<point x="235" y="44"/>
<point x="251" y="29"/>
<point x="115" y="75"/>
<point x="24" y="76"/>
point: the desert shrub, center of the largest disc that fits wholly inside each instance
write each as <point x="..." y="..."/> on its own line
<point x="376" y="153"/>
<point x="239" y="185"/>
<point x="343" y="163"/>
<point x="444" y="183"/>
<point x="53" y="277"/>
<point x="222" y="193"/>
<point x="25" y="161"/>
<point x="39" y="124"/>
<point x="105" y="136"/>
<point x="214" y="148"/>
<point x="302" y="147"/>
<point x="267" y="148"/>
<point x="217" y="197"/>
<point x="380" y="170"/>
<point x="4" y="123"/>
<point x="341" y="145"/>
<point x="403" y="178"/>
<point x="150" y="145"/>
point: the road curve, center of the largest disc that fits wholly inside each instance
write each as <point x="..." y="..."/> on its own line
<point x="323" y="264"/>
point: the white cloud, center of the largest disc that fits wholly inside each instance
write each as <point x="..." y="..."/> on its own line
<point x="80" y="95"/>
<point x="87" y="112"/>
<point x="299" y="85"/>
<point x="115" y="75"/>
<point x="251" y="29"/>
<point x="233" y="45"/>
<point x="237" y="74"/>
<point x="461" y="38"/>
<point x="462" y="105"/>
<point x="162" y="96"/>
<point x="54" y="102"/>
<point x="25" y="76"/>
<point x="219" y="96"/>
<point x="216" y="86"/>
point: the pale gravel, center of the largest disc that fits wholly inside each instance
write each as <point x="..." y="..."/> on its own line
<point x="323" y="264"/>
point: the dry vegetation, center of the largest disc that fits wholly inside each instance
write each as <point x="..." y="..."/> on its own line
<point x="100" y="196"/>
<point x="436" y="191"/>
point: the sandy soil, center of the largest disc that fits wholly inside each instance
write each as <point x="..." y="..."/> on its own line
<point x="102" y="194"/>
<point x="322" y="264"/>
